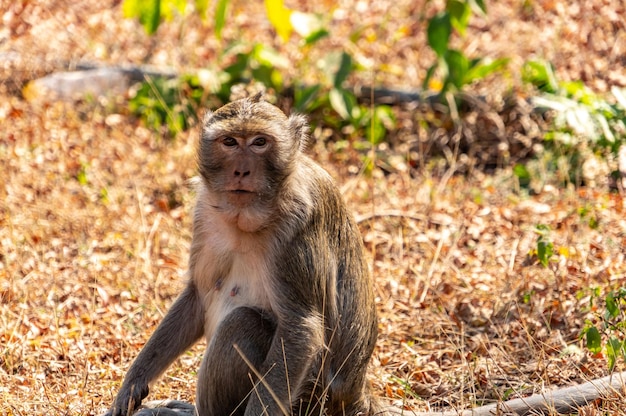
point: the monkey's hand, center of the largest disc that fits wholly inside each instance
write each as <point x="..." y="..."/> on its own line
<point x="128" y="399"/>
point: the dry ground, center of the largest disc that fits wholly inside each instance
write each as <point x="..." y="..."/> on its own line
<point x="95" y="217"/>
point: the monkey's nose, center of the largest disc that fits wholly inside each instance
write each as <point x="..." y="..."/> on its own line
<point x="242" y="173"/>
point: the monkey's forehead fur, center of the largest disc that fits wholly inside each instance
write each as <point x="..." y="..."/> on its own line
<point x="246" y="116"/>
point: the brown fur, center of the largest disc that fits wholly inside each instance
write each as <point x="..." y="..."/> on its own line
<point x="277" y="274"/>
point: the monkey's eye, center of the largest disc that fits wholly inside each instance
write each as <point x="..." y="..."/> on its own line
<point x="259" y="141"/>
<point x="229" y="141"/>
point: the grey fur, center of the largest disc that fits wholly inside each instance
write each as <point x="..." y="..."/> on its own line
<point x="278" y="281"/>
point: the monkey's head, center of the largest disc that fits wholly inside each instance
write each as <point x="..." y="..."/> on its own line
<point x="248" y="148"/>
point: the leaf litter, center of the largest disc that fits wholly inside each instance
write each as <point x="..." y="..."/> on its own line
<point x="95" y="222"/>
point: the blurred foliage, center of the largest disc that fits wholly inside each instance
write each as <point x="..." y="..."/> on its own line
<point x="586" y="129"/>
<point x="168" y="103"/>
<point x="607" y="335"/>
<point x="453" y="70"/>
<point x="174" y="103"/>
<point x="545" y="247"/>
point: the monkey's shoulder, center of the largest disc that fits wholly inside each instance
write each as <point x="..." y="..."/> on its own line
<point x="313" y="179"/>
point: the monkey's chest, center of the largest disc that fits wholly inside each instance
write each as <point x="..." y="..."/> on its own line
<point x="243" y="284"/>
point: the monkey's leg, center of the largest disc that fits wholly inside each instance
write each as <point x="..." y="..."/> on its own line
<point x="225" y="380"/>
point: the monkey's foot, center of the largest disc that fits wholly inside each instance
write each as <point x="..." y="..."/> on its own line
<point x="166" y="408"/>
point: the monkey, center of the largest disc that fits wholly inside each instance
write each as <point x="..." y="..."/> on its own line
<point x="278" y="283"/>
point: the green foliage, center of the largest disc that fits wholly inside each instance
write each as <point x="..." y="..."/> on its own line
<point x="527" y="297"/>
<point x="584" y="124"/>
<point x="151" y="12"/>
<point x="280" y="17"/>
<point x="439" y="31"/>
<point x="523" y="175"/>
<point x="545" y="248"/>
<point x="588" y="215"/>
<point x="455" y="68"/>
<point x="610" y="326"/>
<point x="81" y="175"/>
<point x="541" y="75"/>
<point x="220" y="17"/>
<point x="173" y="103"/>
<point x="167" y="102"/>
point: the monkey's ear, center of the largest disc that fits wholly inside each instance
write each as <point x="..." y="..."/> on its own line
<point x="299" y="127"/>
<point x="258" y="97"/>
<point x="207" y="116"/>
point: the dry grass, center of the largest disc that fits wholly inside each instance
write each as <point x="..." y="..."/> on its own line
<point x="95" y="223"/>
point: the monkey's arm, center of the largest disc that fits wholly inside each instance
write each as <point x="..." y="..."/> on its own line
<point x="182" y="326"/>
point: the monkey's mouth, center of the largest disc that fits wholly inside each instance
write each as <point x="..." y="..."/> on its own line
<point x="241" y="197"/>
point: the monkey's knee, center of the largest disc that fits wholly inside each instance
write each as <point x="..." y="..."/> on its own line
<point x="237" y="349"/>
<point x="245" y="331"/>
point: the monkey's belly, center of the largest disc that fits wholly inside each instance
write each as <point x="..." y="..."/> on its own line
<point x="228" y="294"/>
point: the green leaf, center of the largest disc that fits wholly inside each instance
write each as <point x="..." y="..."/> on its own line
<point x="478" y="6"/>
<point x="593" y="339"/>
<point x="345" y="67"/>
<point x="336" y="66"/>
<point x="268" y="56"/>
<point x="485" y="68"/>
<point x="383" y="121"/>
<point x="170" y="7"/>
<point x="458" y="66"/>
<point x="527" y="297"/>
<point x="280" y="17"/>
<point x="315" y="36"/>
<point x="309" y="26"/>
<point x="429" y="75"/>
<point x="385" y="114"/>
<point x="342" y="102"/>
<point x="614" y="349"/>
<point x="523" y="175"/>
<point x="237" y="69"/>
<point x="201" y="7"/>
<point x="439" y="30"/>
<point x="303" y="97"/>
<point x="148" y="12"/>
<point x="541" y="75"/>
<point x="612" y="306"/>
<point x="81" y="176"/>
<point x="220" y="17"/>
<point x="545" y="250"/>
<point x="460" y="13"/>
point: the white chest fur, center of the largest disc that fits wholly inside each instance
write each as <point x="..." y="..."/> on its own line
<point x="233" y="271"/>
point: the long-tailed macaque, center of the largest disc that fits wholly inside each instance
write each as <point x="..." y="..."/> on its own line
<point x="278" y="284"/>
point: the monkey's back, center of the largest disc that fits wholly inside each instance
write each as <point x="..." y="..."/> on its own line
<point x="327" y="245"/>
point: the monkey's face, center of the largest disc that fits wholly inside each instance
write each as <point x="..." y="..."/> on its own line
<point x="242" y="174"/>
<point x="247" y="150"/>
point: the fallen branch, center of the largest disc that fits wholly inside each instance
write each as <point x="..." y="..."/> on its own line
<point x="560" y="400"/>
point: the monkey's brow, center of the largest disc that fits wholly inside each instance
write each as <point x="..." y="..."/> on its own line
<point x="221" y="129"/>
<point x="224" y="114"/>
